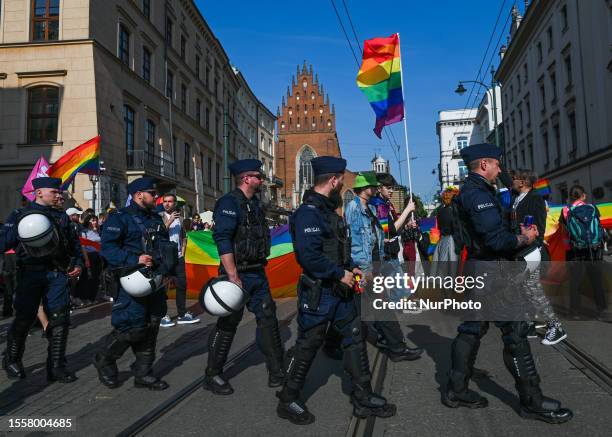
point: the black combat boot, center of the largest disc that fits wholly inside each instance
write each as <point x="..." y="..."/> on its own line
<point x="15" y="346"/>
<point x="534" y="405"/>
<point x="219" y="344"/>
<point x="145" y="357"/>
<point x="56" y="360"/>
<point x="365" y="402"/>
<point x="106" y="361"/>
<point x="272" y="347"/>
<point x="404" y="354"/>
<point x="463" y="356"/>
<point x="290" y="407"/>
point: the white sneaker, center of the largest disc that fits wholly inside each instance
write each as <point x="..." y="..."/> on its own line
<point x="554" y="335"/>
<point x="166" y="322"/>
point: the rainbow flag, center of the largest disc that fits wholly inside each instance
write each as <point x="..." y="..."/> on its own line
<point x="384" y="222"/>
<point x="202" y="261"/>
<point x="542" y="187"/>
<point x="380" y="79"/>
<point x="83" y="159"/>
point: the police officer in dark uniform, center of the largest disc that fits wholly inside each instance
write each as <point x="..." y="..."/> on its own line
<point x="491" y="240"/>
<point x="325" y="295"/>
<point x="135" y="236"/>
<point x="42" y="277"/>
<point x="243" y="241"/>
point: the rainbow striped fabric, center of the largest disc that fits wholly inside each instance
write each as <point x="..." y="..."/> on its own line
<point x="542" y="187"/>
<point x="83" y="159"/>
<point x="202" y="261"/>
<point x="380" y="79"/>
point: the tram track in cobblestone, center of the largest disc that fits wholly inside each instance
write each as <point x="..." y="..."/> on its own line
<point x="587" y="364"/>
<point x="140" y="426"/>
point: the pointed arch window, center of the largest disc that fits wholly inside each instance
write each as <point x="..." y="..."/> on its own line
<point x="305" y="174"/>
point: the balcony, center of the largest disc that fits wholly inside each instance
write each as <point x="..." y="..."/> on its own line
<point x="151" y="164"/>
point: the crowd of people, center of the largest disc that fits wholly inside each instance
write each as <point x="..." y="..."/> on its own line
<point x="132" y="255"/>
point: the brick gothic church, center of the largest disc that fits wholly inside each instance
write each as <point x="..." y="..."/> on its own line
<point x="306" y="129"/>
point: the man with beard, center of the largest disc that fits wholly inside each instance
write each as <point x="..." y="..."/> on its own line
<point x="325" y="296"/>
<point x="133" y="237"/>
<point x="243" y="242"/>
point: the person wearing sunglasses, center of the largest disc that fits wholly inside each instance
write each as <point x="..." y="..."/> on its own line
<point x="243" y="241"/>
<point x="132" y="236"/>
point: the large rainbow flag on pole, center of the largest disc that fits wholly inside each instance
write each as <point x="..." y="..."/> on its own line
<point x="83" y="159"/>
<point x="202" y="261"/>
<point x="380" y="79"/>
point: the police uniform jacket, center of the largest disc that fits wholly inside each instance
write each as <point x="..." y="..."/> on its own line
<point x="9" y="237"/>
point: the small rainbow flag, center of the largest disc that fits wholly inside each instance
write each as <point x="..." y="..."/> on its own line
<point x="384" y="222"/>
<point x="83" y="159"/>
<point x="380" y="79"/>
<point x="542" y="187"/>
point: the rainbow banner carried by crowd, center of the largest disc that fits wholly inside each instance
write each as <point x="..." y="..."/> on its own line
<point x="202" y="262"/>
<point x="380" y="79"/>
<point x="82" y="159"/>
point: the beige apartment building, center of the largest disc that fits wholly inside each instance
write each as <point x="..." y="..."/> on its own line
<point x="149" y="77"/>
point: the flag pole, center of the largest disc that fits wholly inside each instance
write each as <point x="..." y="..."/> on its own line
<point x="405" y="125"/>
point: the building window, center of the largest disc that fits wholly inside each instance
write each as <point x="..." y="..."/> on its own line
<point x="549" y="34"/>
<point x="540" y="56"/>
<point x="462" y="142"/>
<point x="543" y="96"/>
<point x="305" y="174"/>
<point x="573" y="132"/>
<point x="43" y="110"/>
<point x="262" y="142"/>
<point x="207" y="121"/>
<point x="197" y="66"/>
<point x="199" y="112"/>
<point x="209" y="172"/>
<point x="520" y="113"/>
<point x="270" y="151"/>
<point x="184" y="98"/>
<point x="557" y="133"/>
<point x="568" y="71"/>
<point x="530" y="149"/>
<point x="128" y="125"/>
<point x="218" y="174"/>
<point x="546" y="149"/>
<point x="525" y="74"/>
<point x="564" y="23"/>
<point x="169" y="84"/>
<point x="207" y="78"/>
<point x="186" y="160"/>
<point x="45" y="20"/>
<point x="150" y="137"/>
<point x="463" y="171"/>
<point x="124" y="45"/>
<point x="146" y="65"/>
<point x="553" y="84"/>
<point x="528" y="110"/>
<point x="146" y="8"/>
<point x="183" y="47"/>
<point x="169" y="26"/>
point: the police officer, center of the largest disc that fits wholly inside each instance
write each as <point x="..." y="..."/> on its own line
<point x="135" y="236"/>
<point x="243" y="242"/>
<point x="325" y="296"/>
<point x="490" y="240"/>
<point x="48" y="253"/>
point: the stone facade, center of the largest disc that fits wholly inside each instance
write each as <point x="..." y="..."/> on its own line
<point x="455" y="130"/>
<point x="114" y="64"/>
<point x="306" y="129"/>
<point x="556" y="77"/>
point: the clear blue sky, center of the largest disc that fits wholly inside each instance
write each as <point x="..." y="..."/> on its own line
<point x="442" y="42"/>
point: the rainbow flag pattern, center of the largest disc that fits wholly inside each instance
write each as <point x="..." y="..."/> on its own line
<point x="542" y="187"/>
<point x="82" y="159"/>
<point x="380" y="79"/>
<point x="202" y="261"/>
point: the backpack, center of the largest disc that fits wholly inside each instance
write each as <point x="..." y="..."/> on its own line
<point x="584" y="227"/>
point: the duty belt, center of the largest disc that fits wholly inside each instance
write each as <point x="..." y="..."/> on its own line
<point x="37" y="268"/>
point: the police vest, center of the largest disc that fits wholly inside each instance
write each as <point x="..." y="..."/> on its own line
<point x="337" y="246"/>
<point x="252" y="237"/>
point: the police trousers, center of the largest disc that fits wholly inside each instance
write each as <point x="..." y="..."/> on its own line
<point x="138" y="312"/>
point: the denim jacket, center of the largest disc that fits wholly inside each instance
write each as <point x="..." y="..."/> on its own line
<point x="362" y="238"/>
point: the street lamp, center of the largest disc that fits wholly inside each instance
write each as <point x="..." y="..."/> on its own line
<point x="461" y="90"/>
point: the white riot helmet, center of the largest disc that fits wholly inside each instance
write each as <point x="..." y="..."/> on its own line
<point x="221" y="297"/>
<point x="37" y="234"/>
<point x="140" y="282"/>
